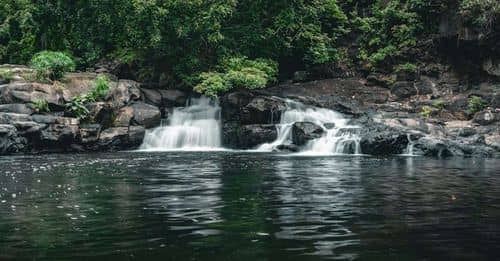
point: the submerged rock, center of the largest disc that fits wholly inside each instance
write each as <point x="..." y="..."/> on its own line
<point x="302" y="132"/>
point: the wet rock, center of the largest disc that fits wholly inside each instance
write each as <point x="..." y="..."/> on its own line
<point x="436" y="147"/>
<point x="9" y="118"/>
<point x="248" y="136"/>
<point x="486" y="117"/>
<point x="466" y="132"/>
<point x="263" y="110"/>
<point x="152" y="96"/>
<point x="147" y="115"/>
<point x="173" y="98"/>
<point x="402" y="90"/>
<point x="121" y="138"/>
<point x="384" y="143"/>
<point x="378" y="79"/>
<point x="101" y="113"/>
<point x="58" y="136"/>
<point x="16" y="108"/>
<point x="89" y="133"/>
<point x="288" y="148"/>
<point x="10" y="142"/>
<point x="302" y="132"/>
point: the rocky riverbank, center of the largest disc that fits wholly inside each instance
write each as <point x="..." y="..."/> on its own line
<point x="430" y="112"/>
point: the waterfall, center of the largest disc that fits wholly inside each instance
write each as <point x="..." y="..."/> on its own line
<point x="339" y="137"/>
<point x="194" y="127"/>
<point x="409" y="147"/>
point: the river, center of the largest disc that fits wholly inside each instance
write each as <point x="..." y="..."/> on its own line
<point x="248" y="206"/>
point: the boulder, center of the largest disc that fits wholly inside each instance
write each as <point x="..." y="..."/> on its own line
<point x="101" y="113"/>
<point x="89" y="133"/>
<point x="302" y="132"/>
<point x="10" y="142"/>
<point x="486" y="117"/>
<point x="402" y="90"/>
<point x="248" y="136"/>
<point x="127" y="91"/>
<point x="152" y="96"/>
<point x="121" y="138"/>
<point x="23" y="92"/>
<point x="124" y="117"/>
<point x="58" y="136"/>
<point x="16" y="108"/>
<point x="146" y="114"/>
<point x="384" y="143"/>
<point x="173" y="98"/>
<point x="263" y="110"/>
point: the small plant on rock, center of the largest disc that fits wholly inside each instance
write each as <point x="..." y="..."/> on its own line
<point x="41" y="106"/>
<point x="476" y="104"/>
<point x="426" y="111"/>
<point x="51" y="65"/>
<point x="77" y="107"/>
<point x="100" y="89"/>
<point x="6" y="76"/>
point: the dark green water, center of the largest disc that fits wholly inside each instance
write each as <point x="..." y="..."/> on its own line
<point x="231" y="206"/>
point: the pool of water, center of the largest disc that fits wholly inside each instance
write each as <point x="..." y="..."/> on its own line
<point x="248" y="206"/>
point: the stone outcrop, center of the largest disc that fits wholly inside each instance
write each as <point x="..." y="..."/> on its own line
<point x="302" y="132"/>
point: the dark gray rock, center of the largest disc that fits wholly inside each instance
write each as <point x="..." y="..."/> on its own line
<point x="10" y="142"/>
<point x="146" y="114"/>
<point x="152" y="96"/>
<point x="403" y="90"/>
<point x="101" y="113"/>
<point x="466" y="132"/>
<point x="127" y="91"/>
<point x="173" y="98"/>
<point x="58" y="137"/>
<point x="486" y="117"/>
<point x="384" y="143"/>
<point x="302" y="132"/>
<point x="248" y="136"/>
<point x="424" y="86"/>
<point x="120" y="138"/>
<point x="16" y="108"/>
<point x="263" y="110"/>
<point x="89" y="133"/>
<point x="288" y="148"/>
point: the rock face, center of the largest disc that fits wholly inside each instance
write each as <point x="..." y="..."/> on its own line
<point x="117" y="122"/>
<point x="302" y="132"/>
<point x="248" y="136"/>
<point x="486" y="117"/>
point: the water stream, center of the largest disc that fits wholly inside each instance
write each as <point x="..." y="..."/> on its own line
<point x="194" y="127"/>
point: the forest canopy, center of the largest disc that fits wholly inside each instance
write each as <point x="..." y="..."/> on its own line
<point x="181" y="41"/>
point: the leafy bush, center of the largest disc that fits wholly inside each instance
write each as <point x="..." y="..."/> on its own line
<point x="481" y="13"/>
<point x="238" y="72"/>
<point x="6" y="75"/>
<point x="100" y="89"/>
<point x="476" y="104"/>
<point x="439" y="104"/>
<point x="52" y="65"/>
<point x="41" y="106"/>
<point x="77" y="107"/>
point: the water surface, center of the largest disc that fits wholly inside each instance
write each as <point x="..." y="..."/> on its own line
<point x="248" y="206"/>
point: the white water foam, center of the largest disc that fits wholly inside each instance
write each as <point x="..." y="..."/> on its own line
<point x="196" y="127"/>
<point x="339" y="137"/>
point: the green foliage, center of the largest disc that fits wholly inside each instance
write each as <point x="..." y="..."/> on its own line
<point x="476" y="104"/>
<point x="406" y="68"/>
<point x="439" y="104"/>
<point x="52" y="65"/>
<point x="77" y="107"/>
<point x="237" y="72"/>
<point x="6" y="75"/>
<point x="481" y="13"/>
<point x="41" y="106"/>
<point x="426" y="111"/>
<point x="100" y="89"/>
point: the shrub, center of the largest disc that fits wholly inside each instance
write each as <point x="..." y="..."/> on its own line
<point x="476" y="104"/>
<point x="212" y="84"/>
<point x="100" y="89"/>
<point x="6" y="75"/>
<point x="41" y="106"/>
<point x="237" y="72"/>
<point x="439" y="104"/>
<point x="51" y="65"/>
<point x="426" y="111"/>
<point x="77" y="107"/>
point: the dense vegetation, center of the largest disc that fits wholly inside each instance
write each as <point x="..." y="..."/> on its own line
<point x="193" y="43"/>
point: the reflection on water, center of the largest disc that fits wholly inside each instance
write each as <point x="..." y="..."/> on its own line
<point x="237" y="206"/>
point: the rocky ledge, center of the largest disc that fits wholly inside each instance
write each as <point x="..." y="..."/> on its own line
<point x="117" y="122"/>
<point x="429" y="113"/>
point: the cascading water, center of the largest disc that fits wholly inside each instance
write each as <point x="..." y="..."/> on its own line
<point x="409" y="147"/>
<point x="194" y="127"/>
<point x="339" y="137"/>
